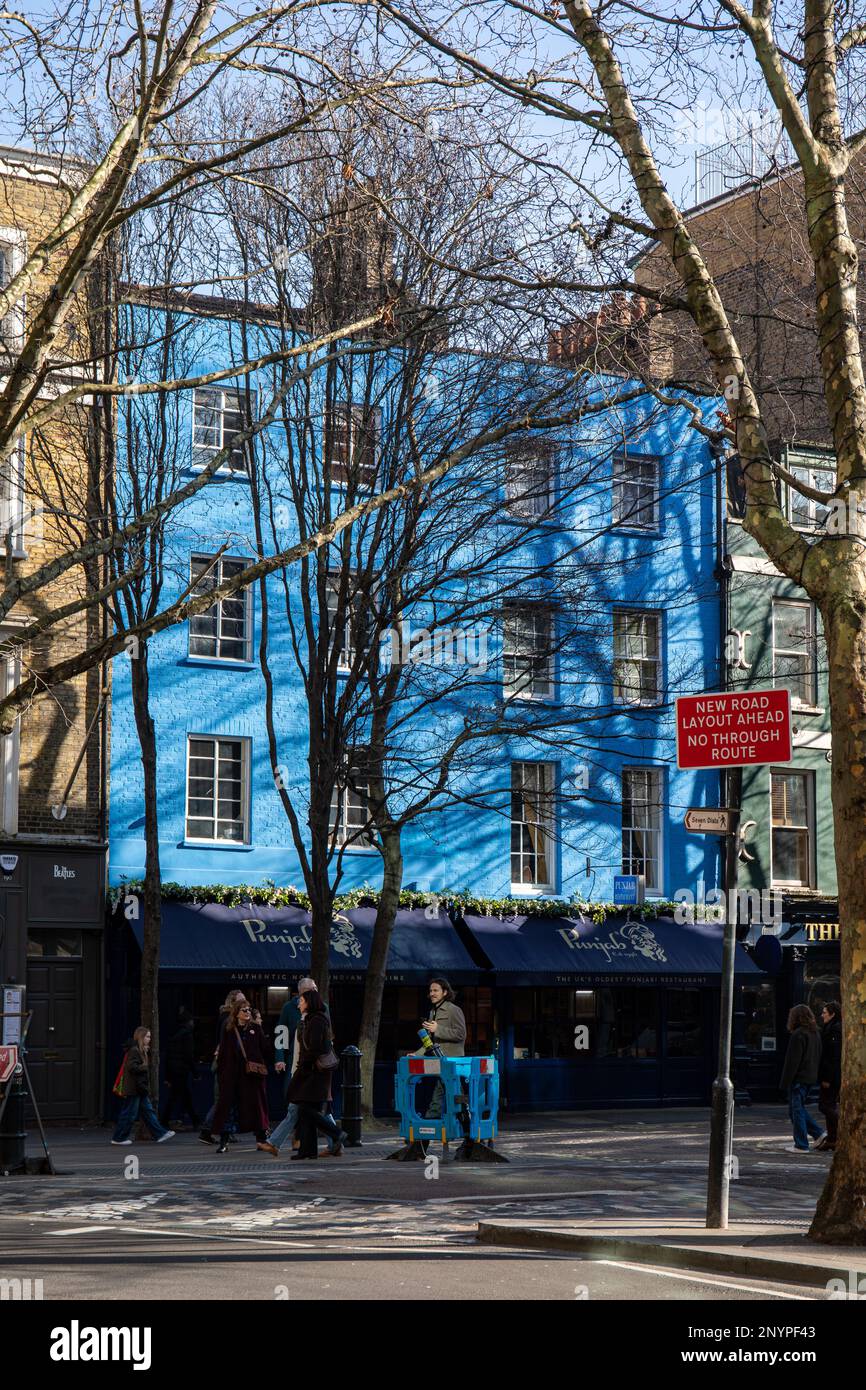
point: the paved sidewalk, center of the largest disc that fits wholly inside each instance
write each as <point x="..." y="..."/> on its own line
<point x="750" y="1249"/>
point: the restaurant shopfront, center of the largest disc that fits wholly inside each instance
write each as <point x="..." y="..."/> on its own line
<point x="801" y="961"/>
<point x="579" y="1014"/>
<point x="207" y="949"/>
<point x="619" y="1013"/>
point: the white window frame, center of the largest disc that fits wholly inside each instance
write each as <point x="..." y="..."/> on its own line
<point x="13" y="244"/>
<point x="202" y="453"/>
<point x="530" y="478"/>
<point x="629" y="861"/>
<point x="810" y="465"/>
<point x="517" y="685"/>
<point x="338" y="826"/>
<point x="245" y="788"/>
<point x="546" y="827"/>
<point x="631" y="520"/>
<point x="808" y="776"/>
<point x="346" y="652"/>
<point x="10" y="744"/>
<point x="247" y="597"/>
<point x="810" y="656"/>
<point x="12" y="498"/>
<point x="348" y="415"/>
<point x="643" y="662"/>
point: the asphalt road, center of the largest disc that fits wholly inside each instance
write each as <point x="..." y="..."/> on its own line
<point x="104" y="1263"/>
<point x="177" y="1221"/>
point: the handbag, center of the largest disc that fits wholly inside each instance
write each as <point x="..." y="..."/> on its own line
<point x="328" y="1061"/>
<point x="251" y="1068"/>
<point x="117" y="1088"/>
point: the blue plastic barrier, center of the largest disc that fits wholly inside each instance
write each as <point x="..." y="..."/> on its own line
<point x="471" y="1099"/>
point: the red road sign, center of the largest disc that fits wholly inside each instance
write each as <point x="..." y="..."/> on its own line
<point x="734" y="729"/>
<point x="8" y="1061"/>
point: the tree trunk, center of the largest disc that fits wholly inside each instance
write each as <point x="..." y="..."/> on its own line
<point x="840" y="1218"/>
<point x="152" y="896"/>
<point x="389" y="898"/>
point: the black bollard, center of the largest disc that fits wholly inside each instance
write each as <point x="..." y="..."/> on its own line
<point x="350" y="1064"/>
<point x="13" y="1136"/>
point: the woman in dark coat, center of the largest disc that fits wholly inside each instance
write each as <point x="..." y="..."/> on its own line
<point x="830" y="1071"/>
<point x="243" y="1043"/>
<point x="310" y="1087"/>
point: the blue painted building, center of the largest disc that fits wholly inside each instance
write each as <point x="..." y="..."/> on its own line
<point x="599" y="608"/>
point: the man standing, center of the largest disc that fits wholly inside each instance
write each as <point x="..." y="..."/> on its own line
<point x="284" y="1041"/>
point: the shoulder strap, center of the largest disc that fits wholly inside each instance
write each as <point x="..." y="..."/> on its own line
<point x="240" y="1043"/>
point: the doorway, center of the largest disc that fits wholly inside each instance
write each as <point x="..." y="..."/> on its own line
<point x="54" y="1043"/>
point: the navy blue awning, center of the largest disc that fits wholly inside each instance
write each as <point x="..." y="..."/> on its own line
<point x="209" y="939"/>
<point x="559" y="950"/>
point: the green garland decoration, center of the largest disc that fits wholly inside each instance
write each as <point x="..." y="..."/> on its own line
<point x="267" y="894"/>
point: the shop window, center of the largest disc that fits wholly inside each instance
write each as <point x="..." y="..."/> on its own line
<point x="759" y="1006"/>
<point x="626" y="1023"/>
<point x="821" y="984"/>
<point x="619" y="1023"/>
<point x="683" y="1030"/>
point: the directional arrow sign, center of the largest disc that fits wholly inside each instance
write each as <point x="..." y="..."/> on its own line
<point x="709" y="820"/>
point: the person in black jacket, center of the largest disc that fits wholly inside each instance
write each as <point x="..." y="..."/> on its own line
<point x="310" y="1087"/>
<point x="830" y="1071"/>
<point x="180" y="1070"/>
<point x="135" y="1091"/>
<point x="799" y="1074"/>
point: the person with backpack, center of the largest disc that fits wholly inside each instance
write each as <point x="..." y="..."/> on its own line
<point x="799" y="1074"/>
<point x="830" y="1072"/>
<point x="133" y="1088"/>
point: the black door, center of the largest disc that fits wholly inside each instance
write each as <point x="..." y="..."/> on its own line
<point x="54" y="989"/>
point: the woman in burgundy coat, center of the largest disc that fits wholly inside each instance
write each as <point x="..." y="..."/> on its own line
<point x="242" y="1042"/>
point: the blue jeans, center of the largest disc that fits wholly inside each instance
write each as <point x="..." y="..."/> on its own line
<point x="804" y="1125"/>
<point x="284" y="1129"/>
<point x="129" y="1113"/>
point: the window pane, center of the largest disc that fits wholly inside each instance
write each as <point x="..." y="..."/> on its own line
<point x="635" y="491"/>
<point x="531" y="823"/>
<point x="641" y="825"/>
<point x="684" y="1034"/>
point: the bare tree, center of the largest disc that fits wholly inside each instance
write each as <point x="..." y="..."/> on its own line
<point x="616" y="87"/>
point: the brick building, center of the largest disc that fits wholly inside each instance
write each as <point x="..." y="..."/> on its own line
<point x="53" y="784"/>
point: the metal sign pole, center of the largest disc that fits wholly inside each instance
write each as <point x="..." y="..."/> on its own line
<point x="722" y="1112"/>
